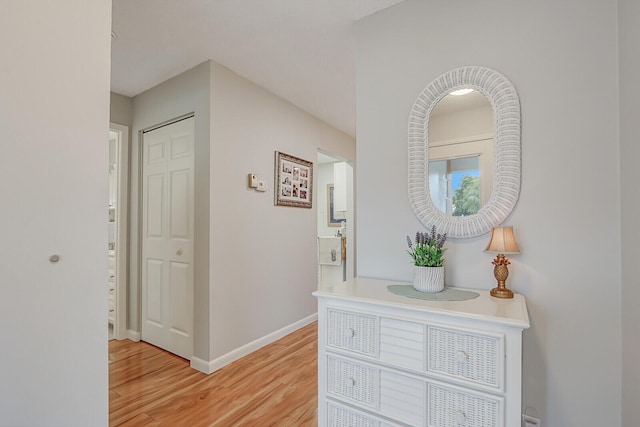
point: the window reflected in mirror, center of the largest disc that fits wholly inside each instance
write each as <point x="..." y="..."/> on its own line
<point x="455" y="185"/>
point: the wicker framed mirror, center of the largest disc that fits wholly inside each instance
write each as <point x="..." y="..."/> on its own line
<point x="505" y="103"/>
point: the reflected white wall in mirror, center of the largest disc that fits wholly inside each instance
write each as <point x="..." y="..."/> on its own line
<point x="461" y="153"/>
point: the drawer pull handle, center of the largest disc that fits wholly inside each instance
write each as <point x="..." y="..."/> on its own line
<point x="351" y="382"/>
<point x="462" y="357"/>
<point x="351" y="332"/>
<point x="461" y="418"/>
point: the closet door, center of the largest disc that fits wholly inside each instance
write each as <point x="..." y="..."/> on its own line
<point x="167" y="241"/>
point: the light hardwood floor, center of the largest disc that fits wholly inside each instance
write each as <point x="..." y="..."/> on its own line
<point x="274" y="386"/>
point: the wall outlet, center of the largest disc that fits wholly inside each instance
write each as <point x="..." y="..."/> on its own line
<point x="252" y="180"/>
<point x="262" y="186"/>
<point x="529" y="421"/>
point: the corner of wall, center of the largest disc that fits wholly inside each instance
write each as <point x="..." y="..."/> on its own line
<point x="121" y="110"/>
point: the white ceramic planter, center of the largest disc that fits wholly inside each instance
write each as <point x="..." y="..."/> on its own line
<point x="428" y="279"/>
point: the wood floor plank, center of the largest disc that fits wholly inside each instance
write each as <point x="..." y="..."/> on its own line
<point x="274" y="386"/>
<point x="141" y="420"/>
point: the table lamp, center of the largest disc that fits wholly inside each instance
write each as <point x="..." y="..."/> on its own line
<point x="502" y="242"/>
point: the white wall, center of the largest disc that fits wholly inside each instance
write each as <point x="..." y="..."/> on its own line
<point x="186" y="93"/>
<point x="562" y="59"/>
<point x="54" y="116"/>
<point x="255" y="265"/>
<point x="263" y="257"/>
<point x="461" y="124"/>
<point x="121" y="110"/>
<point x="629" y="17"/>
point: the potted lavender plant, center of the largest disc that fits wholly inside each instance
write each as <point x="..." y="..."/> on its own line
<point x="428" y="260"/>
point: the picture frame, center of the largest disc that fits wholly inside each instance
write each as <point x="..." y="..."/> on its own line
<point x="293" y="181"/>
<point x="332" y="221"/>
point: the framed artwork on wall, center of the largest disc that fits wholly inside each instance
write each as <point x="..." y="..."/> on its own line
<point x="294" y="181"/>
<point x="332" y="221"/>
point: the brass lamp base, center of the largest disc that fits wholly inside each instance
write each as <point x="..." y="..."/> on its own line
<point x="501" y="293"/>
<point x="501" y="271"/>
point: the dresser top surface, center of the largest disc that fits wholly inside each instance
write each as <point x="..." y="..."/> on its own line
<point x="510" y="312"/>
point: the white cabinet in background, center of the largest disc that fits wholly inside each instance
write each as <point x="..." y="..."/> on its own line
<point x="112" y="286"/>
<point x="389" y="360"/>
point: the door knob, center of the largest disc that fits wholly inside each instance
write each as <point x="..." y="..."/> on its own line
<point x="54" y="258"/>
<point x="179" y="252"/>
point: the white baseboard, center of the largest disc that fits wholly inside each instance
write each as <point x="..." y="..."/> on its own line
<point x="200" y="365"/>
<point x="222" y="361"/>
<point x="133" y="335"/>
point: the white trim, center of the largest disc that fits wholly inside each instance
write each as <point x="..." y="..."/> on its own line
<point x="201" y="365"/>
<point x="506" y="184"/>
<point x="133" y="335"/>
<point x="222" y="361"/>
<point x="461" y="140"/>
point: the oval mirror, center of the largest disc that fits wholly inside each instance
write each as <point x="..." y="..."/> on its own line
<point x="464" y="152"/>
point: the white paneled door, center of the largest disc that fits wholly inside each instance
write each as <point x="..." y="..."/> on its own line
<point x="167" y="240"/>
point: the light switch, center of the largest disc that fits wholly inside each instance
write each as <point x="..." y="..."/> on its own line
<point x="252" y="180"/>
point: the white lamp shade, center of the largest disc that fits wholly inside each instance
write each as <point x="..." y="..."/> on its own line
<point x="502" y="241"/>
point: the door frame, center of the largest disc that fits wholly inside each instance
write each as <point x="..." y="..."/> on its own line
<point x="122" y="231"/>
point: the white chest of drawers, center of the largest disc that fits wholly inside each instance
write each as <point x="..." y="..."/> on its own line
<point x="387" y="360"/>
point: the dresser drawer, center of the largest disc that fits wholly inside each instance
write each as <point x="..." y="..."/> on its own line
<point x="450" y="406"/>
<point x="471" y="356"/>
<point x="352" y="381"/>
<point x="390" y="393"/>
<point x="343" y="416"/>
<point x="351" y="331"/>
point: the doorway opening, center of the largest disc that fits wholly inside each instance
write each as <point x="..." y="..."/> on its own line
<point x="335" y="229"/>
<point x="118" y="228"/>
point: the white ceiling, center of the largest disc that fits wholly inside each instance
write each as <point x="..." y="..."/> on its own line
<point x="301" y="50"/>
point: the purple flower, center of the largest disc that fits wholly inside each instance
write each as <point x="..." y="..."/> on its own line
<point x="428" y="249"/>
